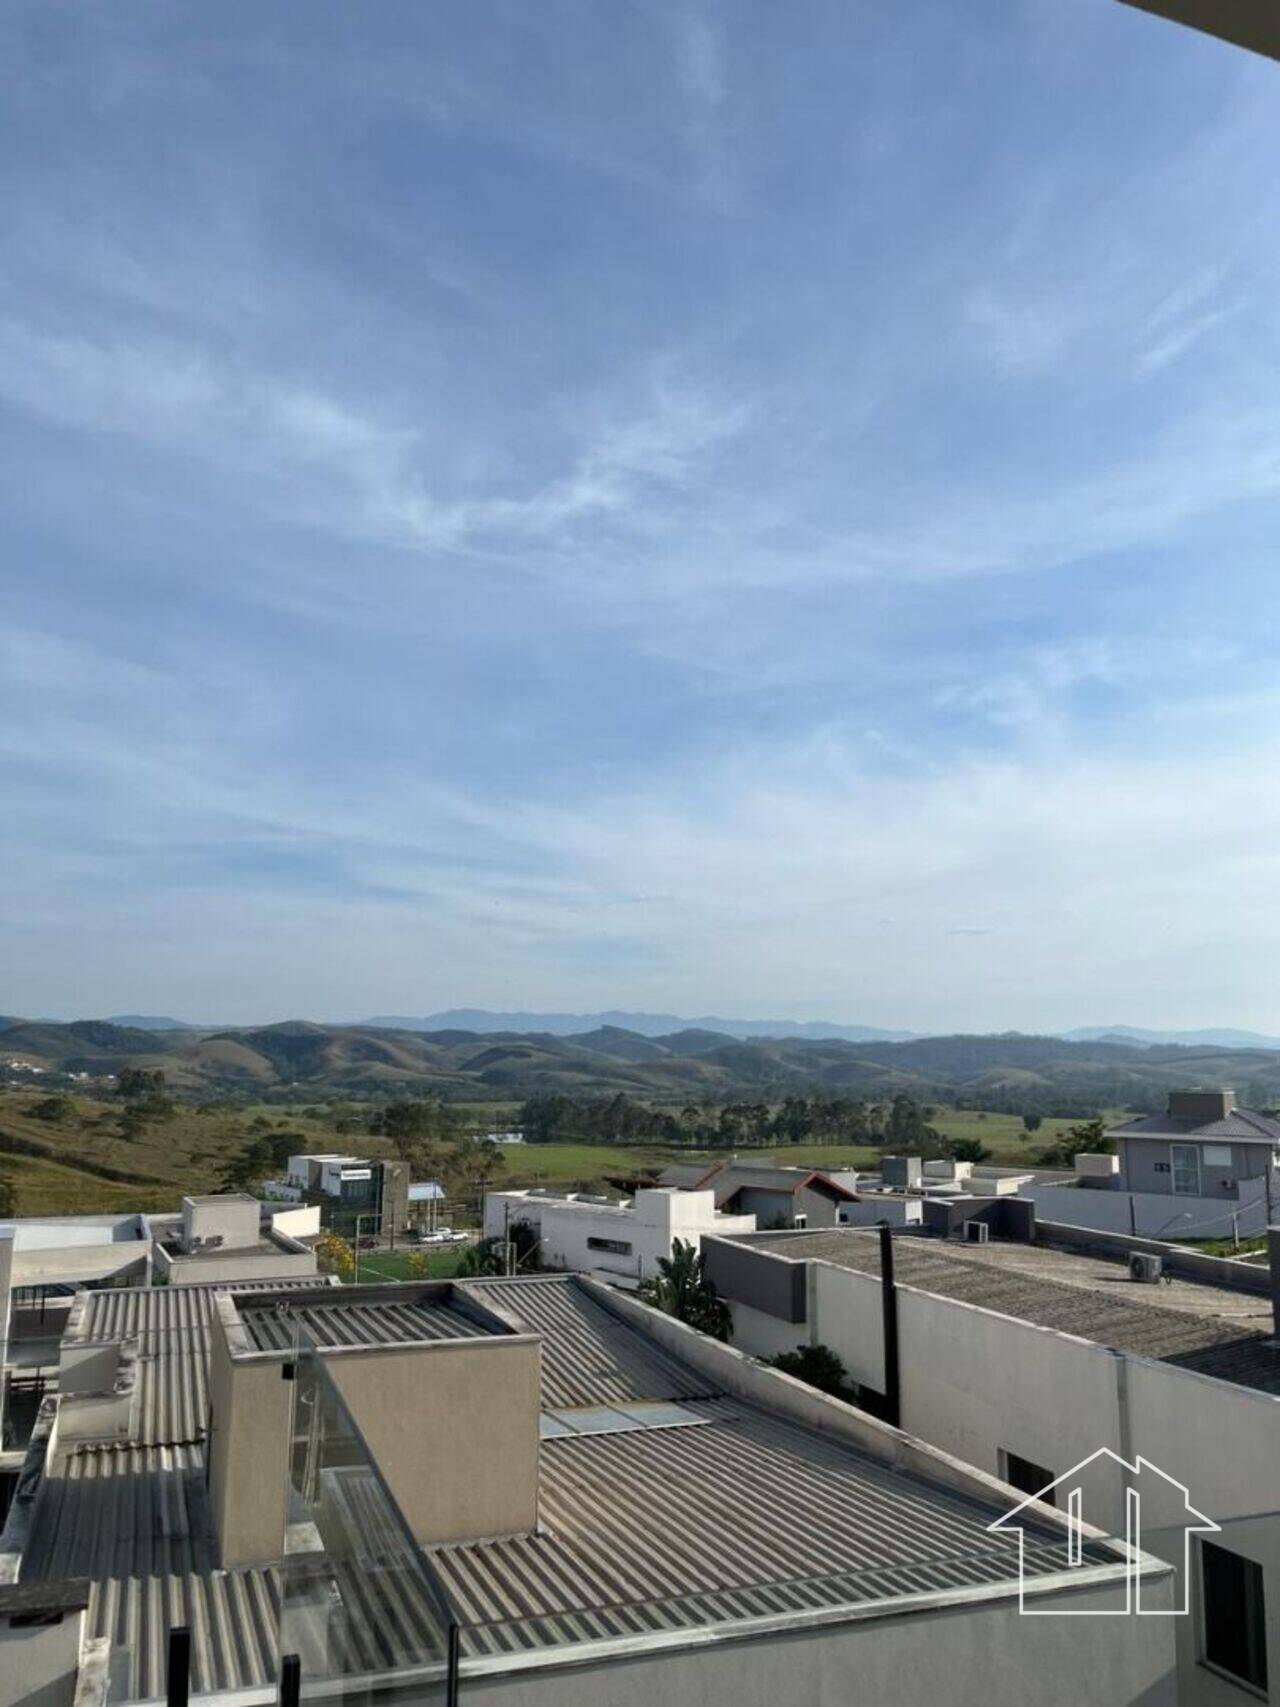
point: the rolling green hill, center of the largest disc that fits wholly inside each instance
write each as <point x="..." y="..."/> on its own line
<point x="297" y="1060"/>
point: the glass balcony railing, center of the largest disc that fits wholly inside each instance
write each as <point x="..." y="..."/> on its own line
<point x="362" y="1612"/>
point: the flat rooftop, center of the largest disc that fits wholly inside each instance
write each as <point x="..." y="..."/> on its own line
<point x="659" y="1504"/>
<point x="1212" y="1329"/>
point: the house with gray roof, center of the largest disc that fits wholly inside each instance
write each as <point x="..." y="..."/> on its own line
<point x="1203" y="1145"/>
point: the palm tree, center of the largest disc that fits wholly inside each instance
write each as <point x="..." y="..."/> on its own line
<point x="682" y="1289"/>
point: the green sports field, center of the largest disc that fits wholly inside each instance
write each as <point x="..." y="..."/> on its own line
<point x="394" y="1265"/>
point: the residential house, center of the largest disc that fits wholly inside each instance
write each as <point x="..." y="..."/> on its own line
<point x="1203" y="1145"/>
<point x="621" y="1238"/>
<point x="776" y="1196"/>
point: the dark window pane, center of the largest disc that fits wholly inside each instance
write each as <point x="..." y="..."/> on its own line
<point x="1027" y="1477"/>
<point x="1234" y="1614"/>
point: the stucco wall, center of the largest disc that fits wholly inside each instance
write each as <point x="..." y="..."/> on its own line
<point x="846" y="1313"/>
<point x="453" y="1426"/>
<point x="975" y="1383"/>
<point x="297" y="1223"/>
<point x="1153" y="1214"/>
<point x="764" y="1335"/>
<point x="249" y="1403"/>
<point x="978" y="1384"/>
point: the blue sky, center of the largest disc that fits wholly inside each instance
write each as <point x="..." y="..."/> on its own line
<point x="740" y="508"/>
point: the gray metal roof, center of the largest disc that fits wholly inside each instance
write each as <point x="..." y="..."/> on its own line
<point x="587" y="1358"/>
<point x="1241" y="1126"/>
<point x="749" y="1517"/>
<point x="979" y="1274"/>
<point x="134" y="1520"/>
<point x="658" y="1528"/>
<point x="687" y="1175"/>
<point x="170" y="1325"/>
<point x="273" y="1328"/>
<point x="150" y="1314"/>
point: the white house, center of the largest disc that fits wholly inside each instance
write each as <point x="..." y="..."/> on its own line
<point x="620" y="1238"/>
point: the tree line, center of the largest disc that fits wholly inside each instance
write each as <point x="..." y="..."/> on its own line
<point x="620" y="1119"/>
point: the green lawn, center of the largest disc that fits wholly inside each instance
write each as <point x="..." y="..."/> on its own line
<point x="1225" y="1247"/>
<point x="394" y="1265"/>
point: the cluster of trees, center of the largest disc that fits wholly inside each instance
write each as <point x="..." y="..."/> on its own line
<point x="146" y="1098"/>
<point x="432" y="1137"/>
<point x="900" y="1123"/>
<point x="1088" y="1136"/>
<point x="264" y="1154"/>
<point x="428" y="1134"/>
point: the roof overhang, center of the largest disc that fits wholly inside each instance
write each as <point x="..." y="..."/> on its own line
<point x="1253" y="24"/>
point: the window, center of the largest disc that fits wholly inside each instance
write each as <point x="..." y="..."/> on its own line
<point x="619" y="1247"/>
<point x="1027" y="1476"/>
<point x="1186" y="1169"/>
<point x="1217" y="1155"/>
<point x="1234" y="1615"/>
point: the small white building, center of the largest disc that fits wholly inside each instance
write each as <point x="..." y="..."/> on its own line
<point x="619" y="1238"/>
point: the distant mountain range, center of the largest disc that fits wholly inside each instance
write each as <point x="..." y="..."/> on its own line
<point x="297" y="1061"/>
<point x="484" y="1020"/>
<point x="646" y="1025"/>
<point x="1222" y="1039"/>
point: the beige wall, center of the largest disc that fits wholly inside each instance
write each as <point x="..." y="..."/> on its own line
<point x="849" y="1319"/>
<point x="453" y="1427"/>
<point x="248" y="1450"/>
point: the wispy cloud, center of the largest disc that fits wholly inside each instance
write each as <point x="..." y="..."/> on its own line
<point x="658" y="503"/>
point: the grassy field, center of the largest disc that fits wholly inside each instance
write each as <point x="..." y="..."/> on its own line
<point x="84" y="1163"/>
<point x="586" y="1164"/>
<point x="394" y="1265"/>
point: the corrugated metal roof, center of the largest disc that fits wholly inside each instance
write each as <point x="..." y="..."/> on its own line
<point x="661" y="1528"/>
<point x="376" y="1323"/>
<point x="750" y="1517"/>
<point x="150" y="1314"/>
<point x="170" y="1325"/>
<point x="135" y="1521"/>
<point x="740" y="1176"/>
<point x="588" y="1356"/>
